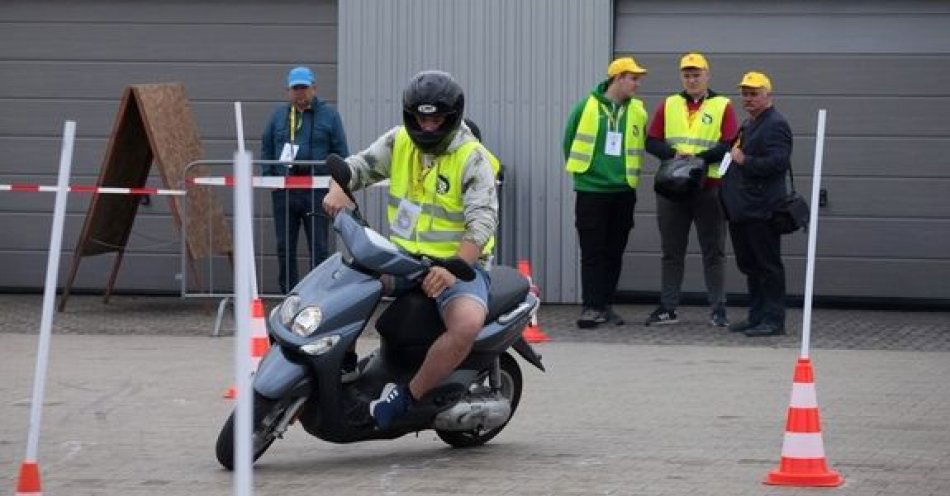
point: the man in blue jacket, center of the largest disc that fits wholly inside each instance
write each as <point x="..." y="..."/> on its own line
<point x="751" y="190"/>
<point x="305" y="129"/>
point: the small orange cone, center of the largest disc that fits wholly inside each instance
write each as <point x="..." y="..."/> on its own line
<point x="532" y="332"/>
<point x="260" y="344"/>
<point x="803" y="451"/>
<point x="29" y="481"/>
<point x="230" y="393"/>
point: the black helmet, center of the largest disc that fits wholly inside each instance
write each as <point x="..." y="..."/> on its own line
<point x="432" y="93"/>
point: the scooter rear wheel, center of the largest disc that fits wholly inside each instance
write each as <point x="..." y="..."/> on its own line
<point x="267" y="415"/>
<point x="511" y="382"/>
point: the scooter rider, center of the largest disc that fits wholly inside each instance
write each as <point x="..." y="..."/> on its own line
<point x="442" y="203"/>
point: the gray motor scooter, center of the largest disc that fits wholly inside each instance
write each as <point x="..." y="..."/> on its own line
<point x="311" y="374"/>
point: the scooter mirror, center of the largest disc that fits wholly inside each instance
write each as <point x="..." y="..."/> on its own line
<point x="458" y="267"/>
<point x="340" y="172"/>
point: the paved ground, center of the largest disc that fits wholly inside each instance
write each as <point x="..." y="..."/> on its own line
<point x="134" y="408"/>
<point x="831" y="329"/>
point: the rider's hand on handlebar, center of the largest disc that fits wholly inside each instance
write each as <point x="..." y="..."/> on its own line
<point x="437" y="280"/>
<point x="335" y="200"/>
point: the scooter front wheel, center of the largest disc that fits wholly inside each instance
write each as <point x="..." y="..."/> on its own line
<point x="511" y="382"/>
<point x="267" y="416"/>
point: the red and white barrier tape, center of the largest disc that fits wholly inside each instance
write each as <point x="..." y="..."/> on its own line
<point x="37" y="188"/>
<point x="270" y="182"/>
<point x="266" y="182"/>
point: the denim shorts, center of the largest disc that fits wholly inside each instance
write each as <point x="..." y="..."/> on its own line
<point x="476" y="289"/>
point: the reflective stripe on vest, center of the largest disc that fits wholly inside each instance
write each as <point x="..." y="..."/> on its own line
<point x="702" y="133"/>
<point x="582" y="148"/>
<point x="440" y="226"/>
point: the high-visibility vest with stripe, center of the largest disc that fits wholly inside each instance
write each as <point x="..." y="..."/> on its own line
<point x="440" y="225"/>
<point x="585" y="139"/>
<point x="702" y="133"/>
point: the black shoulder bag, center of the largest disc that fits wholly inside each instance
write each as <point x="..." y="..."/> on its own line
<point x="792" y="213"/>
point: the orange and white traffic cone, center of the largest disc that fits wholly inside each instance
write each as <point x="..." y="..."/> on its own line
<point x="803" y="452"/>
<point x="29" y="482"/>
<point x="532" y="332"/>
<point x="259" y="341"/>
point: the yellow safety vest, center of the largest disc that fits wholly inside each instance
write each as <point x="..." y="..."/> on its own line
<point x="437" y="191"/>
<point x="585" y="138"/>
<point x="702" y="133"/>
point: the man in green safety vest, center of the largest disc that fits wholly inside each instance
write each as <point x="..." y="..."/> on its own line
<point x="694" y="122"/>
<point x="603" y="150"/>
<point x="442" y="203"/>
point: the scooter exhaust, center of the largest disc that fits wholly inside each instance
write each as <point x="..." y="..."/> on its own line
<point x="474" y="414"/>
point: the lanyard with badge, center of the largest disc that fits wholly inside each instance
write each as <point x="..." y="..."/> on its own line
<point x="614" y="136"/>
<point x="289" y="152"/>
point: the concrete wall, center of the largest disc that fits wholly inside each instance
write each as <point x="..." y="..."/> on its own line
<point x="523" y="65"/>
<point x="71" y="60"/>
<point x="881" y="69"/>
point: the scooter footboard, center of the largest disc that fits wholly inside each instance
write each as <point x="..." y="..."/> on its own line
<point x="279" y="376"/>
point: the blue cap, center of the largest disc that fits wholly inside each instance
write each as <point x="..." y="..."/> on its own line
<point x="300" y="75"/>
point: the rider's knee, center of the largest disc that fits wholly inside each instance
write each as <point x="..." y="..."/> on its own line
<point x="465" y="317"/>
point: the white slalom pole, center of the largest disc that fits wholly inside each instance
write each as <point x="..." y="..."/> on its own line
<point x="813" y="233"/>
<point x="239" y="126"/>
<point x="243" y="260"/>
<point x="49" y="290"/>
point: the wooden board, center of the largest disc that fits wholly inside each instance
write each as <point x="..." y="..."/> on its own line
<point x="154" y="124"/>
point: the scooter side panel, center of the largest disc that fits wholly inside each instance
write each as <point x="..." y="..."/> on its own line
<point x="278" y="375"/>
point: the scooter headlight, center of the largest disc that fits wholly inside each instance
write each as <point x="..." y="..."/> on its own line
<point x="307" y="321"/>
<point x="289" y="309"/>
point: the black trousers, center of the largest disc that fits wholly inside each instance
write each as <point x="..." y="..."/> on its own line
<point x="603" y="222"/>
<point x="759" y="256"/>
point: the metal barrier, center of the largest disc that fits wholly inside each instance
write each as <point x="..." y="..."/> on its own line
<point x="217" y="281"/>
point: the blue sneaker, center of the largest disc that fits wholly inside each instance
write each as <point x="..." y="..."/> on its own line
<point x="393" y="403"/>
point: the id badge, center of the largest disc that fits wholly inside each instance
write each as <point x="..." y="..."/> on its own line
<point x="289" y="152"/>
<point x="406" y="216"/>
<point x="612" y="143"/>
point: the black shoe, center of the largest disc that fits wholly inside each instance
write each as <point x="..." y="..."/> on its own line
<point x="764" y="329"/>
<point x="591" y="318"/>
<point x="718" y="317"/>
<point x="743" y="326"/>
<point x="614" y="317"/>
<point x="662" y="316"/>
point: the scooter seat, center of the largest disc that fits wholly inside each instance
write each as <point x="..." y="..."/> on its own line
<point x="508" y="289"/>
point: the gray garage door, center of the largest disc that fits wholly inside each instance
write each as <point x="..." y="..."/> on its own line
<point x="882" y="69"/>
<point x="72" y="60"/>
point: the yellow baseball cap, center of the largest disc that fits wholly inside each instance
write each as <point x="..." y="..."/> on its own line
<point x="624" y="64"/>
<point x="694" y="60"/>
<point x="756" y="80"/>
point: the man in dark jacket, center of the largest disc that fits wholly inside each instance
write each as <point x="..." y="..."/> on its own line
<point x="306" y="129"/>
<point x="751" y="189"/>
